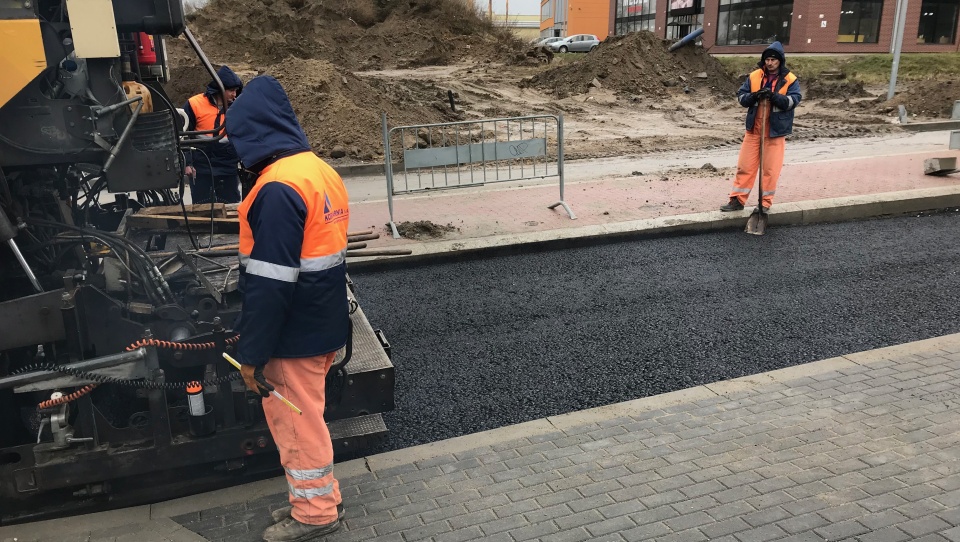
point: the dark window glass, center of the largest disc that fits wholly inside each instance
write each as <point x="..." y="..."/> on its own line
<point x="938" y="21"/>
<point x="752" y="22"/>
<point x="683" y="17"/>
<point x="859" y="21"/>
<point x="634" y="15"/>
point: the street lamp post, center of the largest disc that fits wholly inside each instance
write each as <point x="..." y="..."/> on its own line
<point x="897" y="45"/>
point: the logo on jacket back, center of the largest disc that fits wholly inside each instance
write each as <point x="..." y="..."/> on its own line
<point x="329" y="213"/>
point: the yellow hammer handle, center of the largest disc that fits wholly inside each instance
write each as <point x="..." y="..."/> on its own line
<point x="283" y="399"/>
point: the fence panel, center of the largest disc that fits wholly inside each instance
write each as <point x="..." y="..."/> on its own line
<point x="473" y="153"/>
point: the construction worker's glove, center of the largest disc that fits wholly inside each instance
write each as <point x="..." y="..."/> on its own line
<point x="254" y="379"/>
<point x="762" y="94"/>
<point x="781" y="101"/>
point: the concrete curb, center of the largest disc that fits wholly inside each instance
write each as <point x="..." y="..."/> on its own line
<point x="804" y="212"/>
<point x="364" y="170"/>
<point x="933" y="126"/>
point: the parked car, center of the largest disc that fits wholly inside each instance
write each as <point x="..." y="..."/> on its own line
<point x="543" y="42"/>
<point x="580" y="43"/>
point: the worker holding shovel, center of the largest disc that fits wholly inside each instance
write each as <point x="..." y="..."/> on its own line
<point x="771" y="93"/>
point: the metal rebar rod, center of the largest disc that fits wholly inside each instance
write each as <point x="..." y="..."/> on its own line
<point x="85" y="366"/>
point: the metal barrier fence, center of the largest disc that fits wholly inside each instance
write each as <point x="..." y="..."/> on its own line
<point x="473" y="153"/>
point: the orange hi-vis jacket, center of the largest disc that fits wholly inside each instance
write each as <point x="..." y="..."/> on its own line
<point x="293" y="243"/>
<point x="787" y="96"/>
<point x="208" y="115"/>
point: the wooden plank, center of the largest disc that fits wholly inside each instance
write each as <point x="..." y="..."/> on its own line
<point x="203" y="209"/>
<point x="173" y="222"/>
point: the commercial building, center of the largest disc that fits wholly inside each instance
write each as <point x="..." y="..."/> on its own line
<point x="743" y="26"/>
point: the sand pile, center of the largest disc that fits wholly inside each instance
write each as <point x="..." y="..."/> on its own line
<point x="637" y="64"/>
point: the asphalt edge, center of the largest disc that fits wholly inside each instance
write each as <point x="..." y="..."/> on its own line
<point x="787" y="214"/>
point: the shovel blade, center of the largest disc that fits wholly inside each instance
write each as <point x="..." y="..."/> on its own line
<point x="757" y="223"/>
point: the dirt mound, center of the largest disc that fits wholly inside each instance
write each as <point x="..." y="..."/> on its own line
<point x="815" y="89"/>
<point x="339" y="111"/>
<point x="423" y="229"/>
<point x="638" y="64"/>
<point x="926" y="99"/>
<point x="359" y="34"/>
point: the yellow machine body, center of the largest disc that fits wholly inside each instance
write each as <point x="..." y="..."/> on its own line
<point x="21" y="56"/>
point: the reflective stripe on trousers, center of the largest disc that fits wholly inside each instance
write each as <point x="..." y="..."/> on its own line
<point x="306" y="451"/>
<point x="749" y="163"/>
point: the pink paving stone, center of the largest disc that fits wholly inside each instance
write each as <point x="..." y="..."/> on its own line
<point x="511" y="209"/>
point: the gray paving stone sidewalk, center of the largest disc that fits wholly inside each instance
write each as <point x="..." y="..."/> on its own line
<point x="862" y="448"/>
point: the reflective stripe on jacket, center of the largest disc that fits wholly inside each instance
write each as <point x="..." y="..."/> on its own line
<point x="781" y="120"/>
<point x="293" y="243"/>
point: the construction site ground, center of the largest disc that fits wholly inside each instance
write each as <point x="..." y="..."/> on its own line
<point x="343" y="65"/>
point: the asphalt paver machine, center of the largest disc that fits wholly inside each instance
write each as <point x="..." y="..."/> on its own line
<point x="113" y="388"/>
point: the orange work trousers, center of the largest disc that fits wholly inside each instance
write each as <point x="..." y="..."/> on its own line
<point x="306" y="451"/>
<point x="749" y="162"/>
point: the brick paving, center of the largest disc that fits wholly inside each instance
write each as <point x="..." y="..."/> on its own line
<point x="863" y="448"/>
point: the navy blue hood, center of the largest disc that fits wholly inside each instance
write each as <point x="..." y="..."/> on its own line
<point x="229" y="80"/>
<point x="261" y="123"/>
<point x="775" y="50"/>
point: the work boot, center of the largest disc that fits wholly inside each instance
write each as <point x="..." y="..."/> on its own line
<point x="291" y="530"/>
<point x="281" y="514"/>
<point x="764" y="210"/>
<point x="732" y="205"/>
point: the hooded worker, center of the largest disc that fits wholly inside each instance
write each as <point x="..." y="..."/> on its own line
<point x="212" y="167"/>
<point x="293" y="242"/>
<point x="770" y="94"/>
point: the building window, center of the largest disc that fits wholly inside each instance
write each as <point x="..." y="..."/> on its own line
<point x="635" y="15"/>
<point x="938" y="21"/>
<point x="753" y="22"/>
<point x="546" y="10"/>
<point x="860" y="21"/>
<point x="683" y="17"/>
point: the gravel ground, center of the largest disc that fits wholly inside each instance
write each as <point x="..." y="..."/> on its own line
<point x="486" y="343"/>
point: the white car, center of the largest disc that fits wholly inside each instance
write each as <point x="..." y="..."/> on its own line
<point x="543" y="42"/>
<point x="580" y="43"/>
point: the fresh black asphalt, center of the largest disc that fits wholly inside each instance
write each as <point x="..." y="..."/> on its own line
<point x="483" y="343"/>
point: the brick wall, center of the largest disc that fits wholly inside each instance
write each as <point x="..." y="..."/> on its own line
<point x="814" y="30"/>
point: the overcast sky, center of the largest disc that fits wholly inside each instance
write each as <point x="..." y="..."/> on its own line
<point x="517" y="7"/>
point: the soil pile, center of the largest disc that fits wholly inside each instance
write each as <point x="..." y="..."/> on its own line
<point x="359" y="34"/>
<point x="422" y="229"/>
<point x="927" y="99"/>
<point x="816" y="88"/>
<point x="339" y="111"/>
<point x="637" y="64"/>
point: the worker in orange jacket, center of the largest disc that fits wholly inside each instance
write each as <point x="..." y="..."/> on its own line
<point x="212" y="167"/>
<point x="293" y="243"/>
<point x="774" y="92"/>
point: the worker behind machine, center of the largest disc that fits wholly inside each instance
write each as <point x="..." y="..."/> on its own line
<point x="212" y="168"/>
